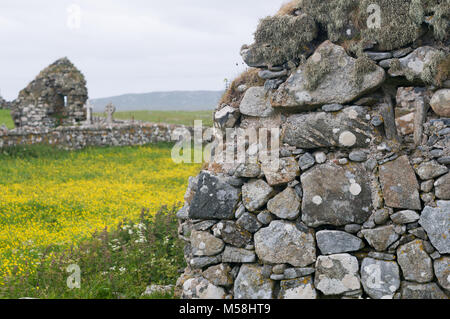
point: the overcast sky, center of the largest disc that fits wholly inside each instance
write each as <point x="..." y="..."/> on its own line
<point x="128" y="46"/>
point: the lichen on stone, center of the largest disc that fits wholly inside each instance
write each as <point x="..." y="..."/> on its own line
<point x="316" y="70"/>
<point x="432" y="69"/>
<point x="363" y="66"/>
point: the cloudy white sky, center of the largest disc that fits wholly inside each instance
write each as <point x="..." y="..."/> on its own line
<point x="128" y="46"/>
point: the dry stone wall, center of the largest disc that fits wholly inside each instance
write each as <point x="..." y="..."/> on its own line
<point x="78" y="137"/>
<point x="360" y="205"/>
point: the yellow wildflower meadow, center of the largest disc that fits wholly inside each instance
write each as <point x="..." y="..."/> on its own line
<point x="52" y="201"/>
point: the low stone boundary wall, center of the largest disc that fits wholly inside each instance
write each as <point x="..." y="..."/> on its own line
<point x="78" y="137"/>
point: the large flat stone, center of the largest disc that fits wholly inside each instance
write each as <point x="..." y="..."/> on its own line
<point x="380" y="279"/>
<point x="285" y="205"/>
<point x="283" y="243"/>
<point x="348" y="128"/>
<point x="436" y="222"/>
<point x="281" y="173"/>
<point x="442" y="187"/>
<point x="415" y="64"/>
<point x="380" y="238"/>
<point x="442" y="272"/>
<point x="399" y="183"/>
<point x="337" y="274"/>
<point x="337" y="86"/>
<point x="256" y="103"/>
<point x="415" y="263"/>
<point x="214" y="199"/>
<point x="233" y="234"/>
<point x="205" y="244"/>
<point x="412" y="290"/>
<point x="336" y="195"/>
<point x="431" y="169"/>
<point x="300" y="288"/>
<point x="336" y="242"/>
<point x="201" y="288"/>
<point x="238" y="255"/>
<point x="256" y="194"/>
<point x="251" y="284"/>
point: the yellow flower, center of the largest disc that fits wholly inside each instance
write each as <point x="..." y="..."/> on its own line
<point x="48" y="202"/>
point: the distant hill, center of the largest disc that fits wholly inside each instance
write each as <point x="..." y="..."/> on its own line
<point x="161" y="101"/>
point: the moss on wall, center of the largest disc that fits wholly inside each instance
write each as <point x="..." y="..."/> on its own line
<point x="283" y="38"/>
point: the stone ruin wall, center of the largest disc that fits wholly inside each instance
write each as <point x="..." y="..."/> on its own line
<point x="360" y="206"/>
<point x="56" y="97"/>
<point x="79" y="137"/>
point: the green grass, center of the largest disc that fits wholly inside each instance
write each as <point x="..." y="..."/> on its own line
<point x="6" y="119"/>
<point x="171" y="117"/>
<point x="115" y="264"/>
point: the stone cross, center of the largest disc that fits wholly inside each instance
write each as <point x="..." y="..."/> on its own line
<point x="110" y="109"/>
<point x="88" y="113"/>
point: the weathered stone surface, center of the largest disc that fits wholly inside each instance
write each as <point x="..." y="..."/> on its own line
<point x="431" y="169"/>
<point x="421" y="291"/>
<point x="442" y="187"/>
<point x="382" y="256"/>
<point x="227" y="116"/>
<point x="248" y="170"/>
<point x="286" y="171"/>
<point x="205" y="244"/>
<point x="200" y="288"/>
<point x="377" y="56"/>
<point x="283" y="243"/>
<point x="335" y="195"/>
<point x="219" y="275"/>
<point x="265" y="218"/>
<point x="238" y="255"/>
<point x="436" y="222"/>
<point x="347" y="128"/>
<point x="249" y="222"/>
<point x="358" y="156"/>
<point x="416" y="63"/>
<point x="256" y="103"/>
<point x="338" y="85"/>
<point x="306" y="161"/>
<point x="399" y="183"/>
<point x="201" y="262"/>
<point x="405" y="217"/>
<point x="332" y="107"/>
<point x="301" y="288"/>
<point x="214" y="199"/>
<point x="415" y="263"/>
<point x="442" y="272"/>
<point x="337" y="274"/>
<point x="380" y="279"/>
<point x="256" y="194"/>
<point x="293" y="273"/>
<point x="285" y="205"/>
<point x="233" y="234"/>
<point x="405" y="123"/>
<point x="380" y="238"/>
<point x="250" y="284"/>
<point x="336" y="242"/>
<point x="440" y="102"/>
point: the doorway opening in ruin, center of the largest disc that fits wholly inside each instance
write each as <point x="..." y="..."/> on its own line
<point x="59" y="110"/>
